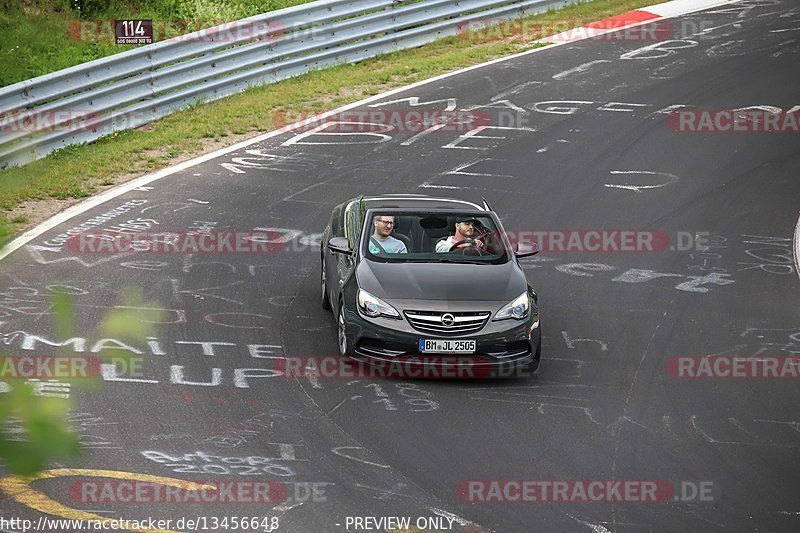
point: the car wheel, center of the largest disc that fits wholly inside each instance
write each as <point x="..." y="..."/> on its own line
<point x="326" y="303"/>
<point x="341" y="326"/>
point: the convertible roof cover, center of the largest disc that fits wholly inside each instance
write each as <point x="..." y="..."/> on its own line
<point x="418" y="201"/>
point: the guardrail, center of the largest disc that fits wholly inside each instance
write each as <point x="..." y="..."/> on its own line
<point x="85" y="102"/>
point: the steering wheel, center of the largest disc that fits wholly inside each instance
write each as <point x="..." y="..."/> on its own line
<point x="468" y="246"/>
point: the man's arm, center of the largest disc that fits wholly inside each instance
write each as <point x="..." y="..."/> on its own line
<point x="443" y="246"/>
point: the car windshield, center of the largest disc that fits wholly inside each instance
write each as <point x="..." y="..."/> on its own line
<point x="433" y="238"/>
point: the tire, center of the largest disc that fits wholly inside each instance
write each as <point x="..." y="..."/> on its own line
<point x="326" y="303"/>
<point x="341" y="327"/>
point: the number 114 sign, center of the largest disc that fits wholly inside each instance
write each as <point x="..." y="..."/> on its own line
<point x="133" y="31"/>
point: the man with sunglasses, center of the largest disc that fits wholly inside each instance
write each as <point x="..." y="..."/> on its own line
<point x="381" y="241"/>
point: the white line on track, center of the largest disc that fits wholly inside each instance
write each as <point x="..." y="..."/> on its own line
<point x="579" y="68"/>
<point x="597" y="528"/>
<point x="797" y="247"/>
<point x="667" y="10"/>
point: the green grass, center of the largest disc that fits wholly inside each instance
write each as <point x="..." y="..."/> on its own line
<point x="78" y="171"/>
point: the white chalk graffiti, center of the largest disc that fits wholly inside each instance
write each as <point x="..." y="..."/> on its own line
<point x="671" y="178"/>
<point x="412" y="398"/>
<point x="660" y="49"/>
<point x="695" y="284"/>
<point x="348" y="452"/>
<point x="202" y="463"/>
<point x="570" y="342"/>
<point x="475" y="134"/>
<point x="774" y="255"/>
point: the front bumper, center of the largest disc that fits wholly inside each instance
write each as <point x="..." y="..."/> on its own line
<point x="502" y="347"/>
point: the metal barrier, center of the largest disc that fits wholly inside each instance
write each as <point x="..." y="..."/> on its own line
<point x="85" y="102"/>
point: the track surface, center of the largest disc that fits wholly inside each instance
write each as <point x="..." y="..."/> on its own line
<point x="602" y="406"/>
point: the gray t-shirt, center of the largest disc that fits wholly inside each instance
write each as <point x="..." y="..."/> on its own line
<point x="390" y="245"/>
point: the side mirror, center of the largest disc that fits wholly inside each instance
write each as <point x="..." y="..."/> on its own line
<point x="525" y="249"/>
<point x="340" y="245"/>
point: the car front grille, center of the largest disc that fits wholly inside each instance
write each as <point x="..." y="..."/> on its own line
<point x="464" y="323"/>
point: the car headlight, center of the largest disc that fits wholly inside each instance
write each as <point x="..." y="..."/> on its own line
<point x="373" y="306"/>
<point x="517" y="308"/>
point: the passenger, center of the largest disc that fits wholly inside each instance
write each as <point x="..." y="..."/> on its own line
<point x="382" y="241"/>
<point x="465" y="229"/>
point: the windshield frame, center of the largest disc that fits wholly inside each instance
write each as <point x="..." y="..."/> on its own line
<point x="367" y="230"/>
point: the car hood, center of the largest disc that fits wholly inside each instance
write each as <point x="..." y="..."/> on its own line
<point x="442" y="281"/>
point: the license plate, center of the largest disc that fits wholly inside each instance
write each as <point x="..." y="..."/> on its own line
<point x="446" y="346"/>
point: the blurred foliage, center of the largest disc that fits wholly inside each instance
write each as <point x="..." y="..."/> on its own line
<point x="33" y="428"/>
<point x="33" y="431"/>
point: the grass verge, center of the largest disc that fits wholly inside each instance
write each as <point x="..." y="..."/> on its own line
<point x="31" y="193"/>
<point x="42" y="36"/>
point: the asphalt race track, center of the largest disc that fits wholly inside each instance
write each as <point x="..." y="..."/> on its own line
<point x="585" y="143"/>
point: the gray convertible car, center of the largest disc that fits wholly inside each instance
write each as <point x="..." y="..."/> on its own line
<point x="431" y="280"/>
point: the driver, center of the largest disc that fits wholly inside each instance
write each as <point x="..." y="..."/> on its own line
<point x="382" y="241"/>
<point x="465" y="229"/>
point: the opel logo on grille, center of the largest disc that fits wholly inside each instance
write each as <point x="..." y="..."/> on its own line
<point x="448" y="319"/>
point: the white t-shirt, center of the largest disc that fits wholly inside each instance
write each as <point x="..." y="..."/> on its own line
<point x="445" y="245"/>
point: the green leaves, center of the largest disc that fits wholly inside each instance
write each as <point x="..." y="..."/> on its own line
<point x="33" y="430"/>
